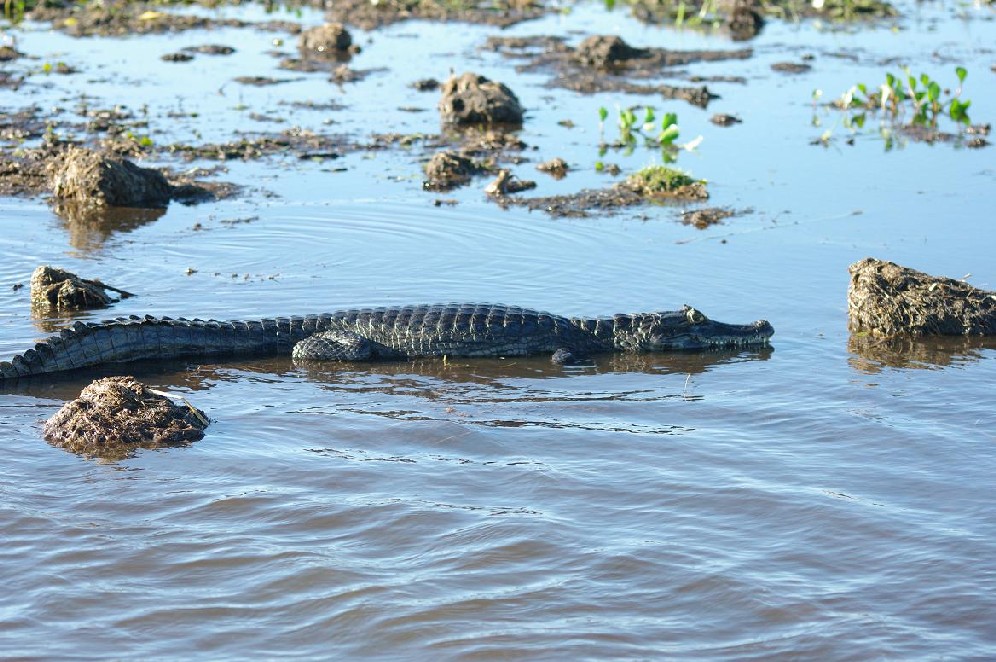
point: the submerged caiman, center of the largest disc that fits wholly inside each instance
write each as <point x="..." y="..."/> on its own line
<point x="403" y="332"/>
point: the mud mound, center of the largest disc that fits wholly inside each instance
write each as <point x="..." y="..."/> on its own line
<point x="329" y="39"/>
<point x="603" y="51"/>
<point x="56" y="288"/>
<point x="115" y="416"/>
<point x="101" y="179"/>
<point x="887" y="300"/>
<point x="473" y="99"/>
<point x="448" y="169"/>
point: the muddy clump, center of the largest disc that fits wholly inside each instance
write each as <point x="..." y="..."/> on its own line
<point x="887" y="300"/>
<point x="706" y="217"/>
<point x="53" y="288"/>
<point x="605" y="51"/>
<point x="506" y="183"/>
<point x="741" y="18"/>
<point x="329" y="40"/>
<point x="99" y="179"/>
<point x="115" y="416"/>
<point x="555" y="167"/>
<point x="473" y="99"/>
<point x="447" y="170"/>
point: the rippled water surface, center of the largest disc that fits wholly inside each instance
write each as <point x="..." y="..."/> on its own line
<point x="821" y="499"/>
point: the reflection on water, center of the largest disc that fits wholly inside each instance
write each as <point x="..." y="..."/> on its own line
<point x="189" y="374"/>
<point x="871" y="355"/>
<point x="90" y="226"/>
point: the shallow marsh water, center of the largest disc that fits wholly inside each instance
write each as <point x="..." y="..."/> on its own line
<point x="808" y="501"/>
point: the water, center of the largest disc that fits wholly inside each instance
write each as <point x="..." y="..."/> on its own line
<point x="810" y="501"/>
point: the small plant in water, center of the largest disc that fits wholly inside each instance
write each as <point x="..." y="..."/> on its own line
<point x="902" y="101"/>
<point x="633" y="129"/>
<point x="922" y="97"/>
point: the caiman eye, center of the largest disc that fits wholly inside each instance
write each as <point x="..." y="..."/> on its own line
<point x="695" y="317"/>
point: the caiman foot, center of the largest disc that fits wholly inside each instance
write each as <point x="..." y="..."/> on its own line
<point x="334" y="346"/>
<point x="564" y="356"/>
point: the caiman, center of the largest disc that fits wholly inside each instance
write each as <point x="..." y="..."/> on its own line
<point x="391" y="333"/>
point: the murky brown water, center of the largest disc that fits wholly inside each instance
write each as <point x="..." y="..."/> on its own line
<point x="808" y="501"/>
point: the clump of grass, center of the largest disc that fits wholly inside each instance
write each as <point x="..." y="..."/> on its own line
<point x="656" y="181"/>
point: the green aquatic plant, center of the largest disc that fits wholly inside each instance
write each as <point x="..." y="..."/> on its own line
<point x="923" y="98"/>
<point x="634" y="129"/>
<point x="906" y="105"/>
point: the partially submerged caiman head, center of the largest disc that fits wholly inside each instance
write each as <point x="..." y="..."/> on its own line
<point x="687" y="328"/>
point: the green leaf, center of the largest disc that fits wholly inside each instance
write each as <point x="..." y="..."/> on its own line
<point x="602" y="113"/>
<point x="668" y="135"/>
<point x="934" y="91"/>
<point x="961" y="72"/>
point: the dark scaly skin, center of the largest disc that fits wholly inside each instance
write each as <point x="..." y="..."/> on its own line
<point x="401" y="332"/>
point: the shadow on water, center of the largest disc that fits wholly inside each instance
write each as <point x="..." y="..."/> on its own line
<point x="872" y="355"/>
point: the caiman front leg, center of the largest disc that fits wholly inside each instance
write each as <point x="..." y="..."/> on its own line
<point x="568" y="356"/>
<point x="342" y="346"/>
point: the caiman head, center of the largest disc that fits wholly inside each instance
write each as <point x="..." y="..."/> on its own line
<point x="686" y="329"/>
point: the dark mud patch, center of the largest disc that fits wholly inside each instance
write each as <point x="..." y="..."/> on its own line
<point x="743" y="19"/>
<point x="176" y="57"/>
<point x="887" y="300"/>
<point x="262" y="81"/>
<point x="57" y="289"/>
<point x="297" y="142"/>
<point x="116" y="416"/>
<point x="370" y="15"/>
<point x="706" y="217"/>
<point x="605" y="63"/>
<point x="209" y="49"/>
<point x="791" y="67"/>
<point x="120" y="19"/>
<point x="724" y="119"/>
